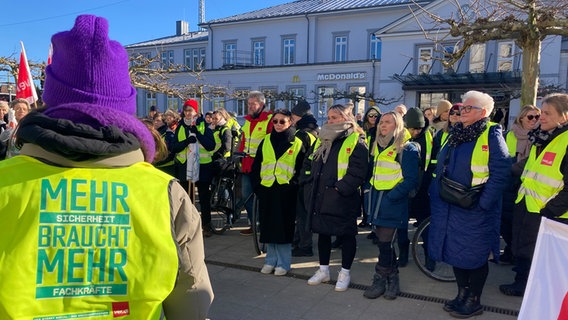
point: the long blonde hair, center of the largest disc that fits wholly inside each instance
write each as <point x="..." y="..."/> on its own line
<point x="399" y="133"/>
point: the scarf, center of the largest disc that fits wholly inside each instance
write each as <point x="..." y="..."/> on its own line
<point x="328" y="134"/>
<point x="523" y="143"/>
<point x="384" y="141"/>
<point x="539" y="137"/>
<point x="460" y="134"/>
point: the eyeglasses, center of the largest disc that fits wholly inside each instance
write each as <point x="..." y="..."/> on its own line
<point x="374" y="115"/>
<point x="531" y="117"/>
<point x="467" y="109"/>
<point x="454" y="113"/>
<point x="281" y="121"/>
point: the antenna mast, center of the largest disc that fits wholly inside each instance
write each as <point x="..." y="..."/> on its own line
<point x="201" y="14"/>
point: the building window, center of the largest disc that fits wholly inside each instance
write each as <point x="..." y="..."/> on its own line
<point x="360" y="104"/>
<point x="325" y="100"/>
<point x="173" y="102"/>
<point x="428" y="100"/>
<point x="505" y="57"/>
<point x="194" y="59"/>
<point x="218" y="101"/>
<point x="295" y="93"/>
<point x="375" y="46"/>
<point x="258" y="52"/>
<point x="202" y="58"/>
<point x="340" y="49"/>
<point x="241" y="101"/>
<point x="477" y="58"/>
<point x="230" y="53"/>
<point x="187" y="59"/>
<point x="289" y="48"/>
<point x="425" y="60"/>
<point x="151" y="98"/>
<point x="167" y="58"/>
<point x="270" y="94"/>
<point x="448" y="51"/>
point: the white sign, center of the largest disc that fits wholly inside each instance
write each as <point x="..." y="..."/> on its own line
<point x="342" y="76"/>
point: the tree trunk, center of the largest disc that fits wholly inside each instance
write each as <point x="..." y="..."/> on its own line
<point x="530" y="72"/>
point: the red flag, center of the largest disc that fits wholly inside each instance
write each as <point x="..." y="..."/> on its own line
<point x="49" y="54"/>
<point x="25" y="88"/>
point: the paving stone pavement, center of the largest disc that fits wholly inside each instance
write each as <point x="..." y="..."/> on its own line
<point x="242" y="292"/>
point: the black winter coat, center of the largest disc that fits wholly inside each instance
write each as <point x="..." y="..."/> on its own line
<point x="335" y="205"/>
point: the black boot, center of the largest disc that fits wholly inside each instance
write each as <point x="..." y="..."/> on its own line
<point x="403" y="254"/>
<point x="393" y="286"/>
<point x="471" y="307"/>
<point x="516" y="289"/>
<point x="377" y="288"/>
<point x="452" y="305"/>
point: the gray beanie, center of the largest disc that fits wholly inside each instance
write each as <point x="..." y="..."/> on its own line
<point x="414" y="118"/>
<point x="301" y="108"/>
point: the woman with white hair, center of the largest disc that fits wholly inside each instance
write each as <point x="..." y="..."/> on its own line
<point x="464" y="229"/>
<point x="334" y="172"/>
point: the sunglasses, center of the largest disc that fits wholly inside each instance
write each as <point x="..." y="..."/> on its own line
<point x="531" y="117"/>
<point x="281" y="121"/>
<point x="374" y="115"/>
<point x="454" y="113"/>
<point x="467" y="109"/>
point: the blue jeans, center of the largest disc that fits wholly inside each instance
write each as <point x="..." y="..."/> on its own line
<point x="279" y="255"/>
<point x="246" y="190"/>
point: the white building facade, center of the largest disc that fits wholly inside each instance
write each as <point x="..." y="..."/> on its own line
<point x="325" y="50"/>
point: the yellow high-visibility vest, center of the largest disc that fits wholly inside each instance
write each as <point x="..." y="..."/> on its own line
<point x="253" y="139"/>
<point x="345" y="152"/>
<point x="280" y="170"/>
<point x="511" y="141"/>
<point x="217" y="136"/>
<point x="387" y="172"/>
<point x="542" y="179"/>
<point x="84" y="242"/>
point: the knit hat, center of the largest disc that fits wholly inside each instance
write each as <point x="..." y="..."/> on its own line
<point x="88" y="81"/>
<point x="193" y="104"/>
<point x="301" y="108"/>
<point x="443" y="106"/>
<point x="414" y="118"/>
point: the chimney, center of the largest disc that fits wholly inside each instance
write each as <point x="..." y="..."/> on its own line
<point x="182" y="27"/>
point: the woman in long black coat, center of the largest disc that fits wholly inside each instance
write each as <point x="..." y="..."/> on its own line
<point x="274" y="175"/>
<point x="338" y="170"/>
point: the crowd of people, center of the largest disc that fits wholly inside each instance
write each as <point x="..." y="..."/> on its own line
<point x="451" y="163"/>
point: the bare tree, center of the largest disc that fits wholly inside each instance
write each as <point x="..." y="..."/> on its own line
<point x="527" y="22"/>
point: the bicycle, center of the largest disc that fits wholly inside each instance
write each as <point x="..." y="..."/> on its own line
<point x="436" y="270"/>
<point x="224" y="210"/>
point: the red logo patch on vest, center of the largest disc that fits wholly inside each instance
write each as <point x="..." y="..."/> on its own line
<point x="290" y="151"/>
<point x="259" y="128"/>
<point x="390" y="154"/>
<point x="120" y="309"/>
<point x="484" y="148"/>
<point x="348" y="150"/>
<point x="548" y="158"/>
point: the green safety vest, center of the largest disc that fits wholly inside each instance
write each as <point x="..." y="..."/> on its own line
<point x="253" y="139"/>
<point x="217" y="136"/>
<point x="511" y="141"/>
<point x="542" y="179"/>
<point x="387" y="172"/>
<point x="84" y="242"/>
<point x="280" y="170"/>
<point x="345" y="152"/>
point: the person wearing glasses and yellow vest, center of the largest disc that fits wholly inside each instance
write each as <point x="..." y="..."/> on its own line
<point x="334" y="174"/>
<point x="257" y="126"/>
<point x="543" y="191"/>
<point x="100" y="232"/>
<point x="274" y="175"/>
<point x="475" y="154"/>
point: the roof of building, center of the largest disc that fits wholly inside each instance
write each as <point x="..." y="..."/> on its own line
<point x="185" y="38"/>
<point x="303" y="7"/>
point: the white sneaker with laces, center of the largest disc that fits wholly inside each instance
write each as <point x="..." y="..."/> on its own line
<point x="343" y="280"/>
<point x="280" y="271"/>
<point x="266" y="269"/>
<point x="319" y="277"/>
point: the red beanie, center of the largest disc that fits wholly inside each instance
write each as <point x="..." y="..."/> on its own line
<point x="192" y="103"/>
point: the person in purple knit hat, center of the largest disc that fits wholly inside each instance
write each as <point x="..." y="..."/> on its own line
<point x="80" y="237"/>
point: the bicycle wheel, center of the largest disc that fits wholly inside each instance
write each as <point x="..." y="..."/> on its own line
<point x="221" y="204"/>
<point x="433" y="269"/>
<point x="259" y="247"/>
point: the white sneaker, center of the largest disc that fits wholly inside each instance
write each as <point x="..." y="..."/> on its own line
<point x="280" y="271"/>
<point x="266" y="269"/>
<point x="343" y="280"/>
<point x="319" y="277"/>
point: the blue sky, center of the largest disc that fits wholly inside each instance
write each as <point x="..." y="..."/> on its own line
<point x="131" y="21"/>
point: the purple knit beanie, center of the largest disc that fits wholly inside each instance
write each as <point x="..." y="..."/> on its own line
<point x="88" y="81"/>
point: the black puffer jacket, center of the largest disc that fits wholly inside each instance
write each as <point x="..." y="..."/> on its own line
<point x="335" y="205"/>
